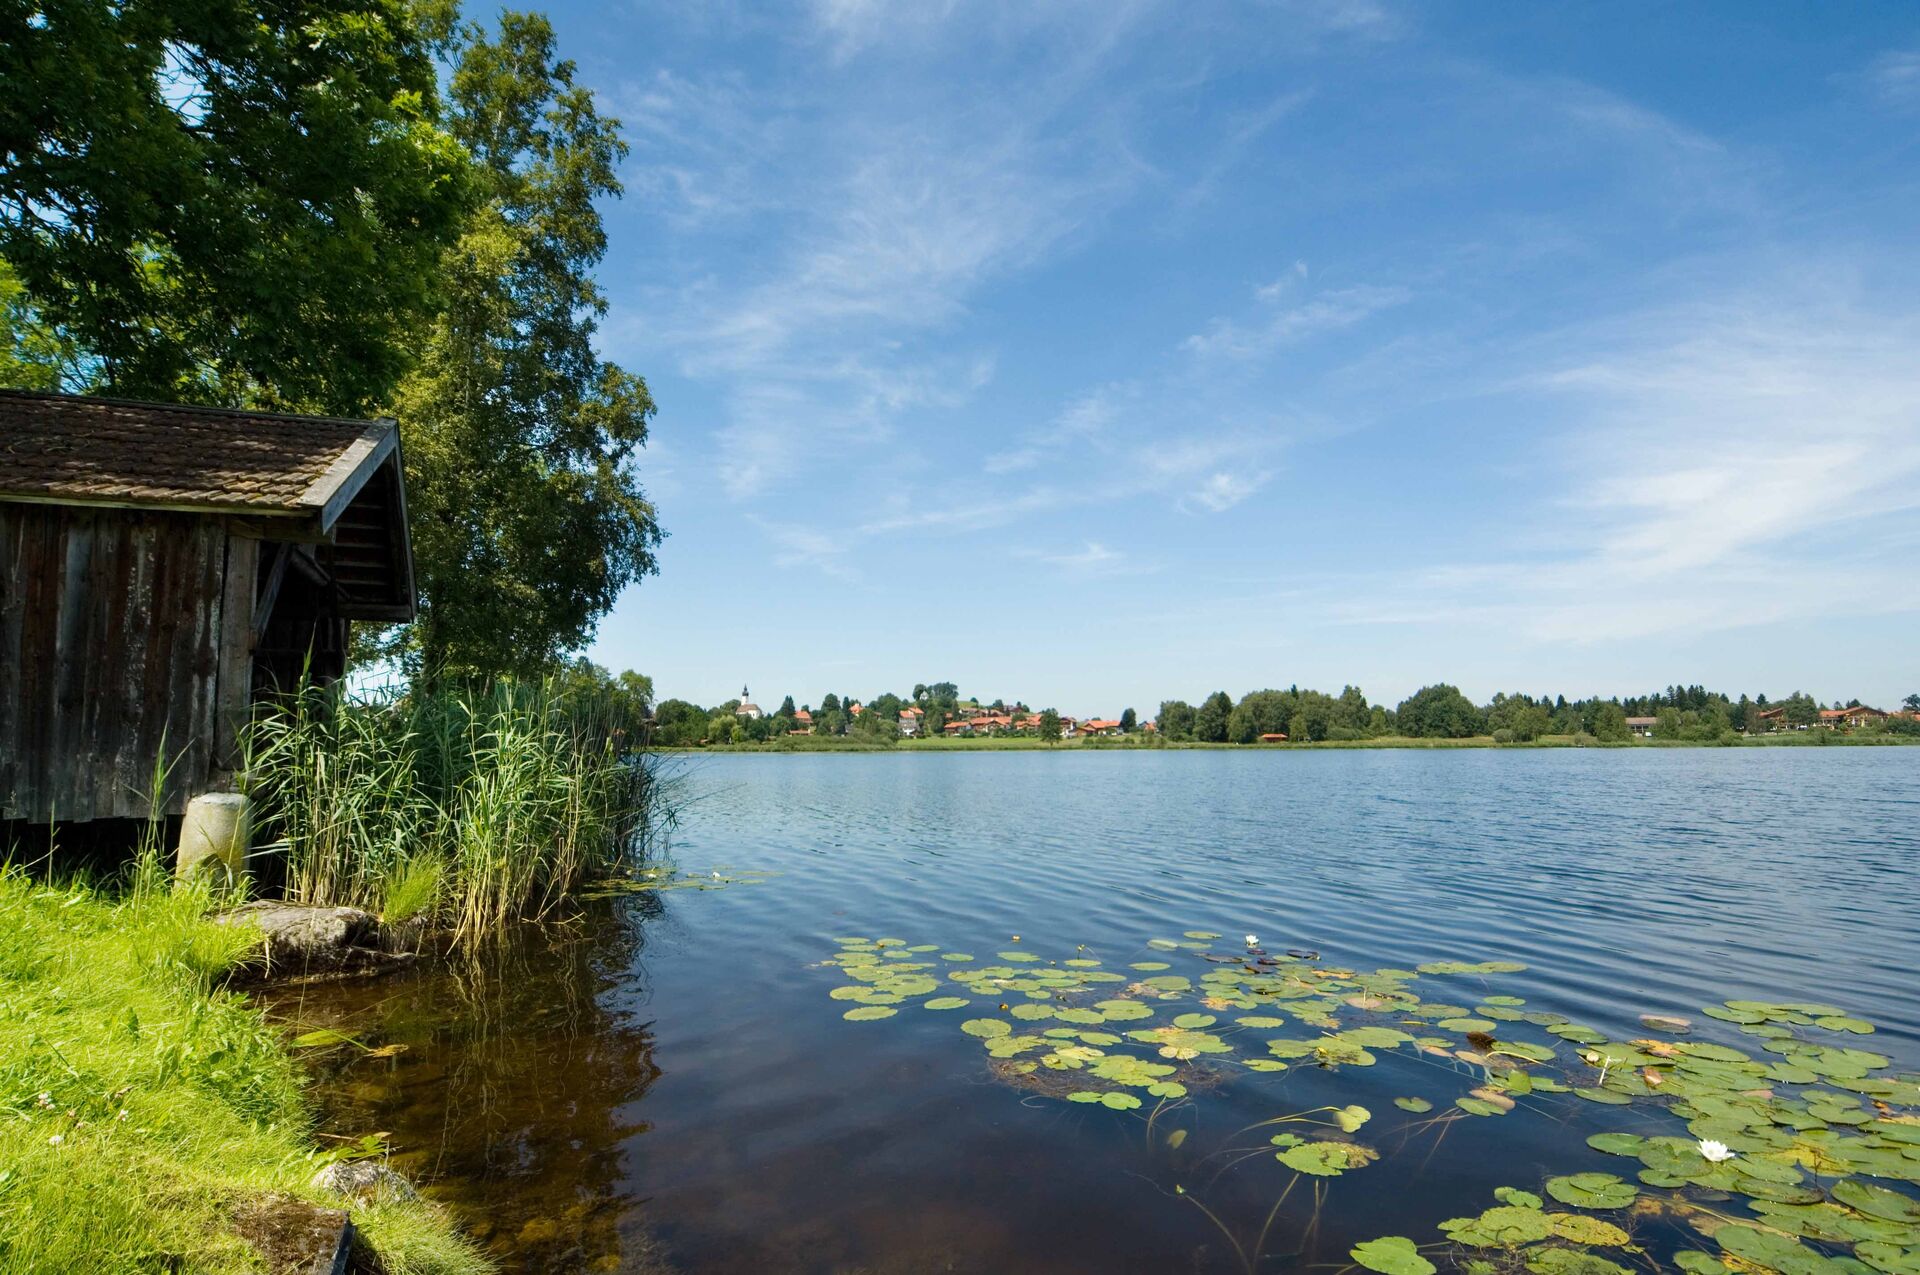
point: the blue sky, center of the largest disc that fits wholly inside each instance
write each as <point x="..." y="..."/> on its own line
<point x="1102" y="353"/>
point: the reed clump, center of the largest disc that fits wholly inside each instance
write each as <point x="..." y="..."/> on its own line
<point x="458" y="806"/>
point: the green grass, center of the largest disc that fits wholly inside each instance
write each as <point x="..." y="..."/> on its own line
<point x="142" y="1108"/>
<point x="466" y="808"/>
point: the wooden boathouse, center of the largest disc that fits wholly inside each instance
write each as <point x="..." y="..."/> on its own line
<point x="162" y="568"/>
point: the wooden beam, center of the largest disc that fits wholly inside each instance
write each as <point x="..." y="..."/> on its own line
<point x="233" y="691"/>
<point x="341" y="481"/>
<point x="208" y="507"/>
<point x="269" y="592"/>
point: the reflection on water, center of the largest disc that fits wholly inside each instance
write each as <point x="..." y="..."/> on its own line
<point x="665" y="1083"/>
<point x="519" y="1078"/>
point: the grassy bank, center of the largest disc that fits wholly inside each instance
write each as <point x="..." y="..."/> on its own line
<point x="1017" y="743"/>
<point x="466" y="808"/>
<point x="151" y="1120"/>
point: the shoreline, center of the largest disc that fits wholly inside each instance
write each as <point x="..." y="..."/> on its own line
<point x="1805" y="739"/>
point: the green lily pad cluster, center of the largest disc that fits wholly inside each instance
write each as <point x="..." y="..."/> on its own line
<point x="660" y="878"/>
<point x="1789" y="1133"/>
<point x="1798" y="1153"/>
<point x="1519" y="1227"/>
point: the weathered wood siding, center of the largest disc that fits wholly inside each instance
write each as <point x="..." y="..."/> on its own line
<point x="116" y="631"/>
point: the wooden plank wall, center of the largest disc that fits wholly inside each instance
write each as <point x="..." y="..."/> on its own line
<point x="111" y="645"/>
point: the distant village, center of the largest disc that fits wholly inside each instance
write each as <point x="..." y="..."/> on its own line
<point x="938" y="711"/>
<point x="932" y="712"/>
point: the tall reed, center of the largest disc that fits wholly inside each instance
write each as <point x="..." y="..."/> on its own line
<point x="466" y="806"/>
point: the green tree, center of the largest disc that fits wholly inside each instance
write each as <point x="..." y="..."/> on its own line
<point x="1802" y="709"/>
<point x="1210" y="719"/>
<point x="528" y="519"/>
<point x="1667" y="723"/>
<point x="786" y="708"/>
<point x="1049" y="729"/>
<point x="224" y="202"/>
<point x="875" y="728"/>
<point x="678" y="723"/>
<point x="1531" y="722"/>
<point x="1439" y="711"/>
<point x="1314" y="717"/>
<point x="1128" y="721"/>
<point x="1911" y="703"/>
<point x="621" y="704"/>
<point x="1610" y="723"/>
<point x="34" y="356"/>
<point x="1354" y="713"/>
<point x="1176" y="719"/>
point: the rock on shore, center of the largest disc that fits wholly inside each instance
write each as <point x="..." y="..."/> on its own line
<point x="301" y="939"/>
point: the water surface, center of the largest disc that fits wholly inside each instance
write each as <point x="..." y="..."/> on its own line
<point x="664" y="1084"/>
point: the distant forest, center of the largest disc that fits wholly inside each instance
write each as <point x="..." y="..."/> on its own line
<point x="1440" y="711"/>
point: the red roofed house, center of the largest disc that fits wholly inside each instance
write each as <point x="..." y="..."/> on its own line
<point x="1274" y="737"/>
<point x="1100" y="726"/>
<point x="1848" y="718"/>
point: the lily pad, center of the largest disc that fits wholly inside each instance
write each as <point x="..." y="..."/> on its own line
<point x="946" y="1002"/>
<point x="1877" y="1201"/>
<point x="1327" y="1159"/>
<point x="1581" y="1229"/>
<point x="986" y="1028"/>
<point x="1592" y="1191"/>
<point x="1391" y="1255"/>
<point x="1503" y="1226"/>
<point x="867" y="1013"/>
<point x="1415" y="1105"/>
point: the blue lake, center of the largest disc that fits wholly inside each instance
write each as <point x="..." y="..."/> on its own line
<point x="666" y="1084"/>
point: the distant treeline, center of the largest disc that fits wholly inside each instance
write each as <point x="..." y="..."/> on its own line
<point x="678" y="722"/>
<point x="1442" y="711"/>
<point x="1439" y="711"/>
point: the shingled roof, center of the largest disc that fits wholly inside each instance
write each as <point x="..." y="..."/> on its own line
<point x="63" y="449"/>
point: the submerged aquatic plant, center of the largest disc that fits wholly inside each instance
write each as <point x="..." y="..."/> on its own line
<point x="1788" y="1139"/>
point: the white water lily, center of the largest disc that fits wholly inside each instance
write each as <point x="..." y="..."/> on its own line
<point x="1252" y="941"/>
<point x="1715" y="1151"/>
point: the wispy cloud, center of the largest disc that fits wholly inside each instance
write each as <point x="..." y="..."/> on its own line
<point x="1084" y="421"/>
<point x="1894" y="78"/>
<point x="1733" y="459"/>
<point x="887" y="227"/>
<point x="1222" y="490"/>
<point x="1092" y="560"/>
<point x="1282" y="324"/>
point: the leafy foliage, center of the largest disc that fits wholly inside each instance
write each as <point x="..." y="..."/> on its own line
<point x="528" y="518"/>
<point x="211" y="202"/>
